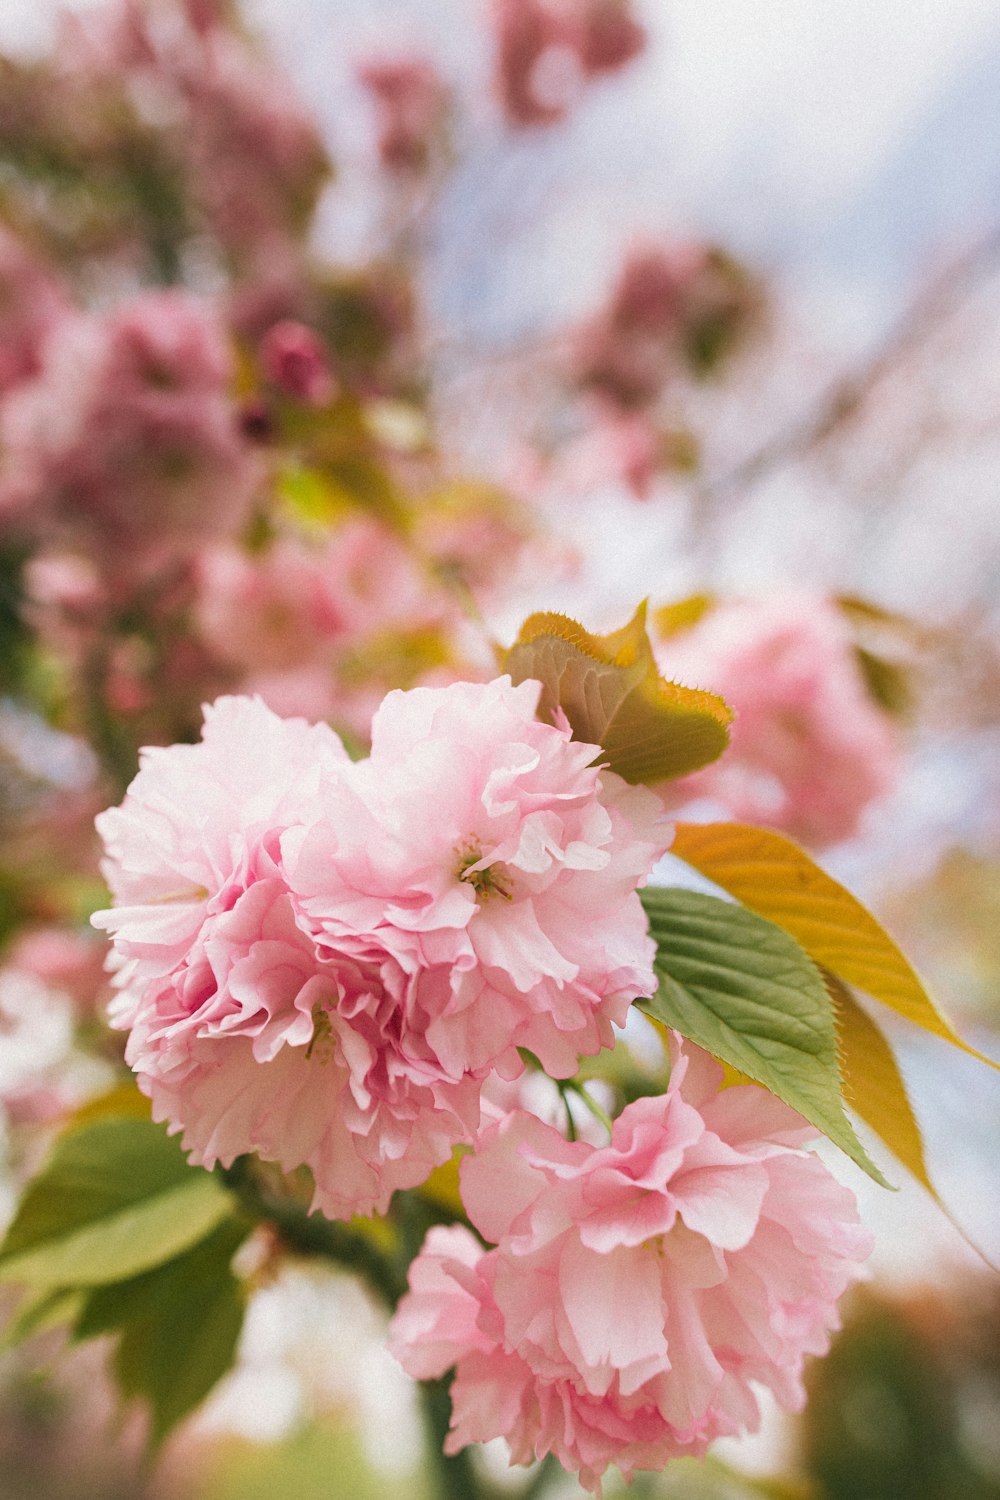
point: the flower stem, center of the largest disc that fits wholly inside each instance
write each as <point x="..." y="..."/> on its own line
<point x="454" y="1473"/>
<point x="596" y="1109"/>
<point x="311" y="1234"/>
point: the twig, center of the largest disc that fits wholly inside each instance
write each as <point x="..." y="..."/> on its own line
<point x="847" y="396"/>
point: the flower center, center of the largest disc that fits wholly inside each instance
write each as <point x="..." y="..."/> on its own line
<point x="491" y="880"/>
<point x="321" y="1042"/>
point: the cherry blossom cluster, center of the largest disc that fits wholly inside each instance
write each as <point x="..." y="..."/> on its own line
<point x="635" y="1293"/>
<point x="322" y="961"/>
<point x="343" y="965"/>
<point x="546" y="49"/>
<point x="811" y="750"/>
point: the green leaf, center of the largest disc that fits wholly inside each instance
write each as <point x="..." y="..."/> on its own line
<point x="180" y="1325"/>
<point x="745" y="991"/>
<point x="611" y="692"/>
<point x="39" y="1311"/>
<point x="116" y="1197"/>
<point x="775" y="878"/>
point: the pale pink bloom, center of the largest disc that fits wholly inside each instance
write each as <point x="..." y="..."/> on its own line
<point x="244" y="1032"/>
<point x="32" y="303"/>
<point x="321" y="962"/>
<point x="410" y="100"/>
<point x="639" y="1291"/>
<point x="127" y="437"/>
<point x="295" y="359"/>
<point x="498" y="865"/>
<point x="810" y="749"/>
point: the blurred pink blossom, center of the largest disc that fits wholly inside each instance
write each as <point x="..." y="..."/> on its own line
<point x="127" y="438"/>
<point x="64" y="960"/>
<point x="529" y="32"/>
<point x="410" y="100"/>
<point x="810" y="749"/>
<point x="547" y="49"/>
<point x="32" y="303"/>
<point x="257" y="156"/>
<point x="629" y="350"/>
<point x="620" y="448"/>
<point x="319" y="627"/>
<point x="638" y="1291"/>
<point x="104" y="41"/>
<point x="611" y="36"/>
<point x="295" y="359"/>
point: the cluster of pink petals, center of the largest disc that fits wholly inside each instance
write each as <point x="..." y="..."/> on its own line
<point x="410" y="99"/>
<point x="638" y="1291"/>
<point x="312" y="624"/>
<point x="810" y="749"/>
<point x="546" y="49"/>
<point x="295" y="359"/>
<point x="32" y="303"/>
<point x="321" y="962"/>
<point x="257" y="157"/>
<point x="128" y="436"/>
<point x="621" y="449"/>
<point x="630" y="348"/>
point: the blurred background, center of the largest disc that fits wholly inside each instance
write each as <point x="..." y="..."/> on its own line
<point x="427" y="322"/>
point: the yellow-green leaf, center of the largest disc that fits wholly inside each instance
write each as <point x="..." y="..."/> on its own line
<point x="124" y="1101"/>
<point x="873" y="1084"/>
<point x="611" y="692"/>
<point x="775" y="878"/>
<point x="682" y="614"/>
<point x="441" y="1187"/>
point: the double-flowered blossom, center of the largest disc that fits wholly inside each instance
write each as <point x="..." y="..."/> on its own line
<point x="637" y="1291"/>
<point x="321" y="962"/>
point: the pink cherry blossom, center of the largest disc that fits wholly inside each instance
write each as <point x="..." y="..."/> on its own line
<point x="323" y="628"/>
<point x="611" y="36"/>
<point x="638" y="1291"/>
<point x="498" y="864"/>
<point x="64" y="960"/>
<point x="629" y="349"/>
<point x="547" y="49"/>
<point x="127" y="437"/>
<point x="529" y="35"/>
<point x="272" y="610"/>
<point x="810" y="749"/>
<point x="32" y="303"/>
<point x="322" y="962"/>
<point x="410" y="99"/>
<point x="245" y="1033"/>
<point x="257" y="158"/>
<point x="296" y="361"/>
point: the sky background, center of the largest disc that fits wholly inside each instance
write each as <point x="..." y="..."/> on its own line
<point x="783" y="127"/>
